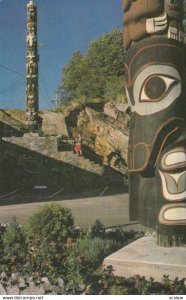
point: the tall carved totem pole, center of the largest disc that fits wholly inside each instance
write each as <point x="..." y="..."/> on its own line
<point x="155" y="74"/>
<point x="32" y="68"/>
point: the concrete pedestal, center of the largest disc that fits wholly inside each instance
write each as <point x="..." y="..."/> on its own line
<point x="145" y="258"/>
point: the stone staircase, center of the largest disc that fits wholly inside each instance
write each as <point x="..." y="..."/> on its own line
<point x="48" y="147"/>
<point x="78" y="161"/>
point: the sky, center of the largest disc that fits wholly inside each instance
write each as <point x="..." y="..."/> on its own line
<point x="64" y="26"/>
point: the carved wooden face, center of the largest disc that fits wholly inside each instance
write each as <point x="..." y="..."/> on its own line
<point x="156" y="90"/>
<point x="155" y="80"/>
<point x="155" y="84"/>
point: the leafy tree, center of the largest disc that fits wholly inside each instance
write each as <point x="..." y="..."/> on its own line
<point x="73" y="73"/>
<point x="97" y="74"/>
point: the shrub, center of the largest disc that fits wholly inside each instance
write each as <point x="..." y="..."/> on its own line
<point x="2" y="230"/>
<point x="84" y="257"/>
<point x="13" y="248"/>
<point x="117" y="234"/>
<point x="124" y="237"/>
<point x="52" y="222"/>
<point x="106" y="284"/>
<point x="98" y="229"/>
<point x="94" y="250"/>
<point x="51" y="247"/>
<point x="48" y="231"/>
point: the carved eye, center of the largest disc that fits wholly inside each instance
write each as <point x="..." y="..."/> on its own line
<point x="156" y="87"/>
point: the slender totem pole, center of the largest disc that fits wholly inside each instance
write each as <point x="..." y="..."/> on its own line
<point x="32" y="68"/>
<point x="155" y="73"/>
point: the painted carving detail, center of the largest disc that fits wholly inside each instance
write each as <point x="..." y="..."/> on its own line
<point x="174" y="185"/>
<point x="157" y="24"/>
<point x="155" y="88"/>
<point x="167" y="17"/>
<point x="172" y="214"/>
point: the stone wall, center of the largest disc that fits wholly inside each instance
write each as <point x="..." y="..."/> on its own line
<point x="34" y="142"/>
<point x="53" y="123"/>
<point x="23" y="169"/>
<point x="19" y="285"/>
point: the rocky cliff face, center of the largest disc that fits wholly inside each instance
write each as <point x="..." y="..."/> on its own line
<point x="106" y="133"/>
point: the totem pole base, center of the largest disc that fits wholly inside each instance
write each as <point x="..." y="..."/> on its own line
<point x="173" y="240"/>
<point x="146" y="258"/>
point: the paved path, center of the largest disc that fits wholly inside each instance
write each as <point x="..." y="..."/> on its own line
<point x="110" y="210"/>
